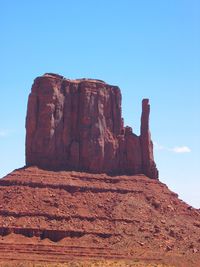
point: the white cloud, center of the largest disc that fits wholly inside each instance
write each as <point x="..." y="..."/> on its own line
<point x="181" y="149"/>
<point x="176" y="149"/>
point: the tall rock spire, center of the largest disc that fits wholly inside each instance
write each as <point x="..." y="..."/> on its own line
<point x="77" y="125"/>
<point x="148" y="164"/>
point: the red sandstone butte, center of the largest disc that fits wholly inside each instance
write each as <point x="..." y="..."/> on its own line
<point x="78" y="125"/>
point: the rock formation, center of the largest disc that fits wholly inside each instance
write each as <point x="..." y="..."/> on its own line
<point x="49" y="216"/>
<point x="77" y="125"/>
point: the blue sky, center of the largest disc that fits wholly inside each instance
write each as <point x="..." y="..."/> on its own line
<point x="148" y="48"/>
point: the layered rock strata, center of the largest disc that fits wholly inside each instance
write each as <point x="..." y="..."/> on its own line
<point x="78" y="125"/>
<point x="56" y="216"/>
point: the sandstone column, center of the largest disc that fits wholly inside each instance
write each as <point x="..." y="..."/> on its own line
<point x="148" y="164"/>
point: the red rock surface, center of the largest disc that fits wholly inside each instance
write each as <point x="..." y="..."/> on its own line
<point x="148" y="167"/>
<point x="56" y="216"/>
<point x="77" y="125"/>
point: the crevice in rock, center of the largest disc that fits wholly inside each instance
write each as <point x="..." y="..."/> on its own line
<point x="53" y="235"/>
<point x="69" y="188"/>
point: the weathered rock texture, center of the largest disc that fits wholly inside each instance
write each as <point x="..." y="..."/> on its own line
<point x="48" y="216"/>
<point x="77" y="125"/>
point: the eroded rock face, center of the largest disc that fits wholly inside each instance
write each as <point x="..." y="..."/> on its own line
<point x="149" y="166"/>
<point x="77" y="125"/>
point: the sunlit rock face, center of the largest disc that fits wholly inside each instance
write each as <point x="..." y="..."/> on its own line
<point x="78" y="125"/>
